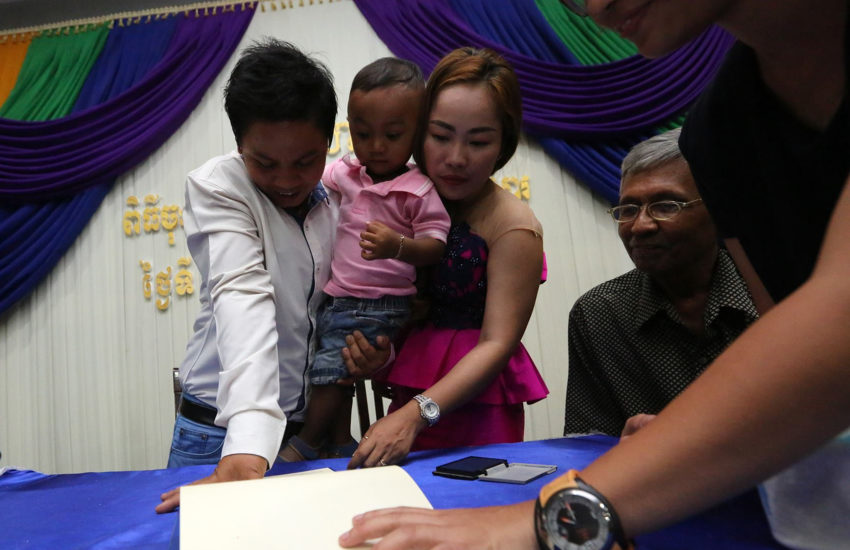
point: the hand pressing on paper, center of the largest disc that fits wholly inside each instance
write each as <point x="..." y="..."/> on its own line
<point x="229" y="468"/>
<point x="493" y="528"/>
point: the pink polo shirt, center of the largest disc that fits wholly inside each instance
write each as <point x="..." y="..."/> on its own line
<point x="409" y="204"/>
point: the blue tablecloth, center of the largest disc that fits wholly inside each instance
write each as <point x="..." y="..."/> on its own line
<point x="116" y="509"/>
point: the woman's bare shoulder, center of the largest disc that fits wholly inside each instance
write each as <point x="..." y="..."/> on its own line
<point x="501" y="212"/>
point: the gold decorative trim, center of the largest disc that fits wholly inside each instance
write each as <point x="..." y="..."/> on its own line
<point x="289" y="4"/>
<point x="129" y="17"/>
<point x="146" y="16"/>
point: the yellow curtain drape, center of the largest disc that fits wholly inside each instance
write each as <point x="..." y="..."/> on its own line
<point x="12" y="54"/>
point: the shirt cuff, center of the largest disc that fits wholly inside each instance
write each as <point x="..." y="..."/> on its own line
<point x="254" y="433"/>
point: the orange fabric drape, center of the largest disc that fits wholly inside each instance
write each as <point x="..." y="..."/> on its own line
<point x="13" y="50"/>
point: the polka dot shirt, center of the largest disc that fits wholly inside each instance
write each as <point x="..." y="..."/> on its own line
<point x="629" y="352"/>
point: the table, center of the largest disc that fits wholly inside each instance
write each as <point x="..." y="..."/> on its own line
<point x="116" y="509"/>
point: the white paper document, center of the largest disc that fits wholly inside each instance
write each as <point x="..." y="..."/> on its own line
<point x="290" y="511"/>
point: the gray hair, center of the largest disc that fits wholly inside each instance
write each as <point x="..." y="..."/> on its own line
<point x="652" y="153"/>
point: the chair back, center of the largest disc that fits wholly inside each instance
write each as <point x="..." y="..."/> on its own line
<point x="361" y="394"/>
<point x="175" y="375"/>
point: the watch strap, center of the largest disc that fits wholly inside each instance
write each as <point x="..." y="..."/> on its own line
<point x="564" y="481"/>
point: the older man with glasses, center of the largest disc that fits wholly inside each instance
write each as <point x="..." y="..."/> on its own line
<point x="636" y="341"/>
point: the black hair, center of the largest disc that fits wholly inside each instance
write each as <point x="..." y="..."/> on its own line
<point x="387" y="71"/>
<point x="274" y="81"/>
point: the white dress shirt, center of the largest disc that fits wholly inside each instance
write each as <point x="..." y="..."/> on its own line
<point x="262" y="274"/>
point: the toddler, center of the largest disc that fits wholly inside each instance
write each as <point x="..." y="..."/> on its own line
<point x="373" y="268"/>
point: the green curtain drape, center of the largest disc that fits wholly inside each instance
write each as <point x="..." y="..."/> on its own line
<point x="53" y="73"/>
<point x="589" y="43"/>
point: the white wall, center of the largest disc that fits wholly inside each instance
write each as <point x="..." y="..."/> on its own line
<point x="85" y="361"/>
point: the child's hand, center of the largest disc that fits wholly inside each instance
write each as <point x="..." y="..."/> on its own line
<point x="379" y="242"/>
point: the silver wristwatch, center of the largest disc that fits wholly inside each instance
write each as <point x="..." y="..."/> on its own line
<point x="428" y="409"/>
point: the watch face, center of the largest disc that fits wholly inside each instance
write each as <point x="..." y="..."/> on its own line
<point x="431" y="410"/>
<point x="574" y="519"/>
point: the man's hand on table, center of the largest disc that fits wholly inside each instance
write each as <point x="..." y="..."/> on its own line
<point x="230" y="468"/>
<point x="634" y="423"/>
<point x="494" y="528"/>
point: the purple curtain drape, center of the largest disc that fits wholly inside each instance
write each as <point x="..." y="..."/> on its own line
<point x="54" y="174"/>
<point x="586" y="116"/>
<point x="59" y="158"/>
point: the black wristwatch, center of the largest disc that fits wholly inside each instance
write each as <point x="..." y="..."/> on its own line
<point x="428" y="409"/>
<point x="572" y="515"/>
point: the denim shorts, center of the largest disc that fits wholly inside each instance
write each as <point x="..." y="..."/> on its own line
<point x="340" y="317"/>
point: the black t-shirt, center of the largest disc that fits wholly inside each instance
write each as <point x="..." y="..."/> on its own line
<point x="767" y="179"/>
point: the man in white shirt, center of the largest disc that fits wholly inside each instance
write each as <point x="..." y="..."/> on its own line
<point x="260" y="228"/>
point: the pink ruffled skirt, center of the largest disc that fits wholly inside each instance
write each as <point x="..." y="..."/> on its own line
<point x="494" y="416"/>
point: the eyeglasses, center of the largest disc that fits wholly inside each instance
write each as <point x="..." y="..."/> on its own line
<point x="578" y="7"/>
<point x="659" y="211"/>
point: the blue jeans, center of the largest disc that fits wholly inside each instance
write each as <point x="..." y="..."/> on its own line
<point x="340" y="317"/>
<point x="194" y="443"/>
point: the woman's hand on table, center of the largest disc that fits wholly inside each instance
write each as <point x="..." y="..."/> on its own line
<point x="362" y="358"/>
<point x="494" y="528"/>
<point x="389" y="439"/>
<point x="230" y="468"/>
